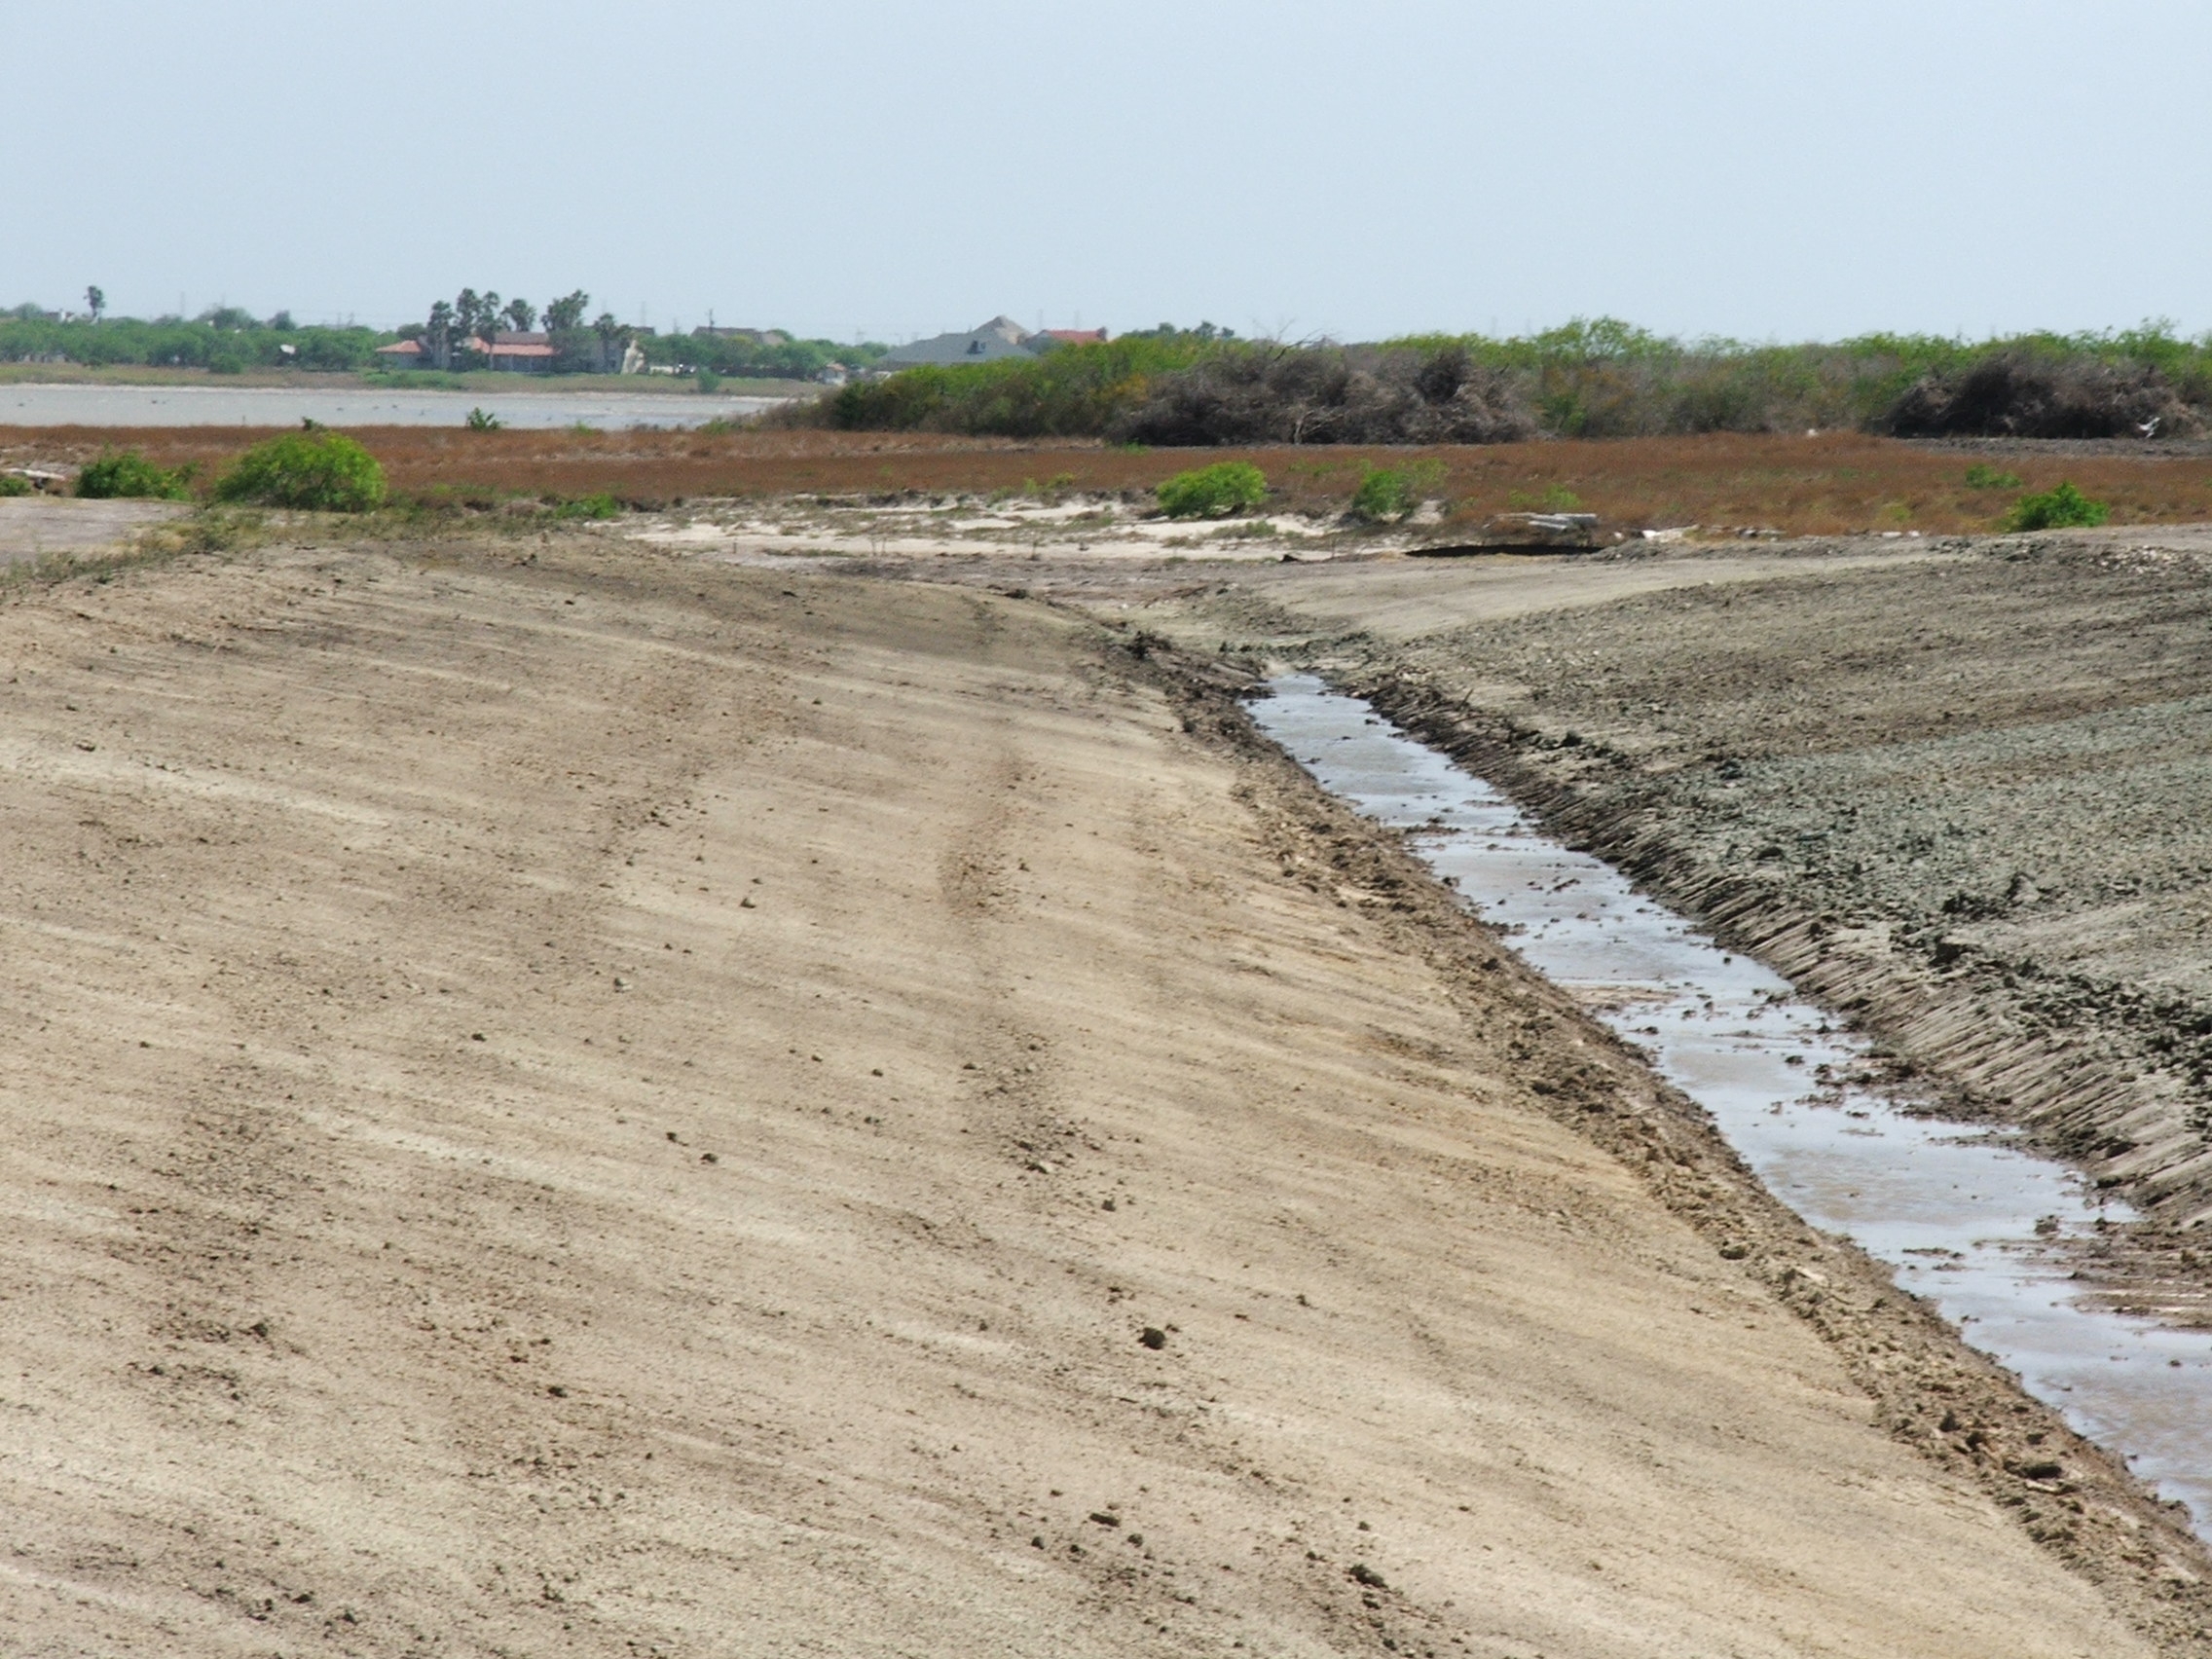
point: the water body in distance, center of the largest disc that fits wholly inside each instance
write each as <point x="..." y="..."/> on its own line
<point x="1954" y="1211"/>
<point x="357" y="406"/>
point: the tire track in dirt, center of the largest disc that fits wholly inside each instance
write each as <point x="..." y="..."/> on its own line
<point x="221" y="1231"/>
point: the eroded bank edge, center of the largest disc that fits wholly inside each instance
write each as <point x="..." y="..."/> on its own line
<point x="2091" y="1111"/>
<point x="1953" y="1405"/>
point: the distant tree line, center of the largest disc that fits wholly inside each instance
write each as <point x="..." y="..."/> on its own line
<point x="228" y="340"/>
<point x="788" y="360"/>
<point x="601" y="346"/>
<point x="222" y="339"/>
<point x="1591" y="378"/>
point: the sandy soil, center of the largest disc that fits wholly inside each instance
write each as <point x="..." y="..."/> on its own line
<point x="609" y="1106"/>
<point x="32" y="527"/>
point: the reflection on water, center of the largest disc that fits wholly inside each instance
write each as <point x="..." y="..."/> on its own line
<point x="1954" y="1211"/>
<point x="357" y="406"/>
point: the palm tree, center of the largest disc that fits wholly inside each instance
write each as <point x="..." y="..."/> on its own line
<point x="522" y="315"/>
<point x="613" y="335"/>
<point x="440" y="335"/>
<point x="476" y="317"/>
<point x="95" y="302"/>
<point x="568" y="311"/>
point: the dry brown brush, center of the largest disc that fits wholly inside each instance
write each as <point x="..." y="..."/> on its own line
<point x="2028" y="394"/>
<point x="1593" y="377"/>
<point x="1283" y="394"/>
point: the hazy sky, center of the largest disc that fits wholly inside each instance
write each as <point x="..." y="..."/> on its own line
<point x="1761" y="169"/>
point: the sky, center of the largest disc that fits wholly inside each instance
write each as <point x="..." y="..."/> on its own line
<point x="846" y="168"/>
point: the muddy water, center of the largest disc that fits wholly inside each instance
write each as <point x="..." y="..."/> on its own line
<point x="357" y="406"/>
<point x="1971" y="1222"/>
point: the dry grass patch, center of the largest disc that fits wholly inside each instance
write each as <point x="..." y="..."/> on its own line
<point x="1831" y="483"/>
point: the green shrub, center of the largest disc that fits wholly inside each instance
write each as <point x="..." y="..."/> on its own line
<point x="11" y="485"/>
<point x="601" y="506"/>
<point x="707" y="380"/>
<point x="1386" y="494"/>
<point x="1075" y="391"/>
<point x="130" y="473"/>
<point x="321" y="471"/>
<point x="484" y="420"/>
<point x="1382" y="496"/>
<point x="1982" y="477"/>
<point x="2061" y="507"/>
<point x="1214" y="491"/>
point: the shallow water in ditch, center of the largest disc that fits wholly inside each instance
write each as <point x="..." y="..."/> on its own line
<point x="1954" y="1209"/>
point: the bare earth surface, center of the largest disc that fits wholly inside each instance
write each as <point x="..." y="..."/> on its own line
<point x="613" y="1107"/>
<point x="31" y="526"/>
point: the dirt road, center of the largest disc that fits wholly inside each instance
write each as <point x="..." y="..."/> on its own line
<point x="606" y="1107"/>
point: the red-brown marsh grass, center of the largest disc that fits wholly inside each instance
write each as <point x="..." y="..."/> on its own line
<point x="1831" y="483"/>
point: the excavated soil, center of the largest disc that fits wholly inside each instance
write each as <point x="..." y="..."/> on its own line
<point x="1959" y="790"/>
<point x="586" y="1103"/>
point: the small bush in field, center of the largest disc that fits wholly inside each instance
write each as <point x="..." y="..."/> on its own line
<point x="130" y="473"/>
<point x="11" y="485"/>
<point x="1983" y="477"/>
<point x="483" y="421"/>
<point x="600" y="506"/>
<point x="2061" y="507"/>
<point x="1214" y="491"/>
<point x="1387" y="494"/>
<point x="1382" y="496"/>
<point x="319" y="471"/>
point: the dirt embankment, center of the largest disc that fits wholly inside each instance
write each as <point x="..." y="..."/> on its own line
<point x="1962" y="795"/>
<point x="599" y="1106"/>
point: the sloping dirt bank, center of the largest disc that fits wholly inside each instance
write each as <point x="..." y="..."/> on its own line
<point x="1960" y="792"/>
<point x="1963" y="799"/>
<point x="599" y="1106"/>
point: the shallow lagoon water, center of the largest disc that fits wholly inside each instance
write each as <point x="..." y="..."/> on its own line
<point x="357" y="406"/>
<point x="1953" y="1209"/>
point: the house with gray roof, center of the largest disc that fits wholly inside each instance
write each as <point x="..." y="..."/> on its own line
<point x="996" y="340"/>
